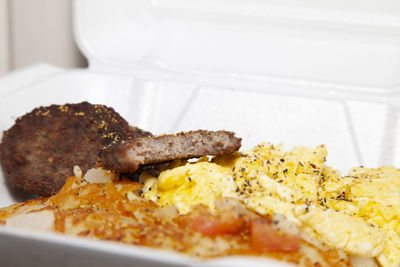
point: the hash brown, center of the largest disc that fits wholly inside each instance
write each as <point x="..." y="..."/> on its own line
<point x="114" y="211"/>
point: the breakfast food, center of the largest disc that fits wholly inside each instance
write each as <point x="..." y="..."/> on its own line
<point x="357" y="213"/>
<point x="137" y="132"/>
<point x="266" y="201"/>
<point x="114" y="211"/>
<point x="128" y="156"/>
<point x="228" y="205"/>
<point x="40" y="150"/>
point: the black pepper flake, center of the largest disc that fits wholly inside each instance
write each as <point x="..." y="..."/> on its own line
<point x="343" y="197"/>
<point x="190" y="179"/>
<point x="282" y="160"/>
<point x="313" y="165"/>
<point x="285" y="170"/>
<point x="280" y="181"/>
<point x="149" y="188"/>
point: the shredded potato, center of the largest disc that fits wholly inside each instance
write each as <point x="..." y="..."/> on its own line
<point x="108" y="211"/>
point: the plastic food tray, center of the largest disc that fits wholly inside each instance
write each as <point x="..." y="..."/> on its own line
<point x="292" y="72"/>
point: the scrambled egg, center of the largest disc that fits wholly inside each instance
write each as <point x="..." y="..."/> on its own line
<point x="374" y="195"/>
<point x="192" y="184"/>
<point x="358" y="213"/>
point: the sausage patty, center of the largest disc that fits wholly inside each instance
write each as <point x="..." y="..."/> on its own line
<point x="129" y="156"/>
<point x="39" y="151"/>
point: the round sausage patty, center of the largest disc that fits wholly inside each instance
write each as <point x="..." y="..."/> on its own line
<point x="39" y="151"/>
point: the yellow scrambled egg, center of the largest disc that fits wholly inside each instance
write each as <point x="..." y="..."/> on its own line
<point x="358" y="213"/>
<point x="374" y="195"/>
<point x="191" y="184"/>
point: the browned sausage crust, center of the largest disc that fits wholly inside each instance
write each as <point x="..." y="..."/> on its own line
<point x="39" y="152"/>
<point x="129" y="156"/>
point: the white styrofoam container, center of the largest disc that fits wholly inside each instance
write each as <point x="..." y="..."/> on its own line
<point x="294" y="72"/>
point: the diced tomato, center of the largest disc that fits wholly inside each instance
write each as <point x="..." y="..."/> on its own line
<point x="266" y="239"/>
<point x="205" y="226"/>
<point x="208" y="225"/>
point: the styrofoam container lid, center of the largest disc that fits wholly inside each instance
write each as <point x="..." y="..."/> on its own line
<point x="352" y="43"/>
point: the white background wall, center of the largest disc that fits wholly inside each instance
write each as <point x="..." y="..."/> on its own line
<point x="37" y="31"/>
<point x="4" y="39"/>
